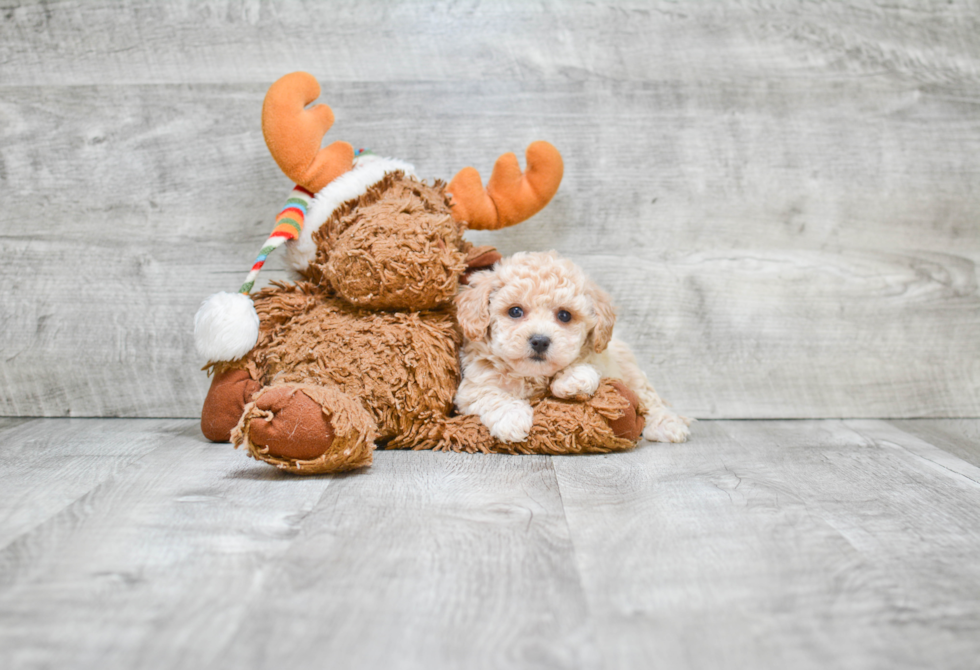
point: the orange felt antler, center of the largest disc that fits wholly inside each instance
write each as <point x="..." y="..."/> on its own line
<point x="293" y="133"/>
<point x="510" y="196"/>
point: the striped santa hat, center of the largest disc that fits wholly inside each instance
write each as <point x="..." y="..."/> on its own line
<point x="226" y="326"/>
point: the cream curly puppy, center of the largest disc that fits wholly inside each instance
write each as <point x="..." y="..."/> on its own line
<point x="535" y="322"/>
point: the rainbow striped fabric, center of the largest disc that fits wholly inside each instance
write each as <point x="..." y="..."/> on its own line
<point x="289" y="224"/>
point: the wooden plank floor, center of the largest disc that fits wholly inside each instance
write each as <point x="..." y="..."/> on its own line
<point x="131" y="543"/>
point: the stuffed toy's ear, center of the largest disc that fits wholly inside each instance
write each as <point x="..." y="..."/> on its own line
<point x="473" y="304"/>
<point x="605" y="315"/>
<point x="479" y="259"/>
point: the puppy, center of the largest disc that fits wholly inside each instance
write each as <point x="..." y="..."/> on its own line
<point x="535" y="323"/>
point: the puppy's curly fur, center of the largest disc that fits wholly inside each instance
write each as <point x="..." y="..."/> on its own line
<point x="535" y="323"/>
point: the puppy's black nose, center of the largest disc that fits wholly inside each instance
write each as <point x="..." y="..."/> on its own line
<point x="540" y="343"/>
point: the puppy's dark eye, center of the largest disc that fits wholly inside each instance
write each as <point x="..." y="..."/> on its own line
<point x="515" y="312"/>
<point x="564" y="316"/>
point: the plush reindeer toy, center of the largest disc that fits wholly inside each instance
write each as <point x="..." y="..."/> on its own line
<point x="312" y="376"/>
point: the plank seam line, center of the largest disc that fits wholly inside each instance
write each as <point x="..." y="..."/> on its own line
<point x="923" y="457"/>
<point x="885" y="442"/>
<point x="575" y="557"/>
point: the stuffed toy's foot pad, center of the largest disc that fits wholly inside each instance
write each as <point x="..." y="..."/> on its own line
<point x="630" y="425"/>
<point x="307" y="429"/>
<point x="230" y="391"/>
<point x="297" y="429"/>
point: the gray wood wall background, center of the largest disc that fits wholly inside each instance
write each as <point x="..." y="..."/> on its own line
<point x="781" y="196"/>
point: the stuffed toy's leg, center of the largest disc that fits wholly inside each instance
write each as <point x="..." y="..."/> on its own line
<point x="309" y="429"/>
<point x="306" y="429"/>
<point x="608" y="421"/>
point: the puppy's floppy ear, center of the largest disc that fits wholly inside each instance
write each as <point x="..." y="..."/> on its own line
<point x="473" y="304"/>
<point x="605" y="315"/>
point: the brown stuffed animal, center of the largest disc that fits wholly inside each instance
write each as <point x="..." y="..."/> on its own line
<point x="313" y="376"/>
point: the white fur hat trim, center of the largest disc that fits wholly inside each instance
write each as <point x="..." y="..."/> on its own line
<point x="368" y="170"/>
<point x="226" y="327"/>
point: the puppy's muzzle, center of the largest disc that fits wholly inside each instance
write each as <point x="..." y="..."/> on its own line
<point x="540" y="344"/>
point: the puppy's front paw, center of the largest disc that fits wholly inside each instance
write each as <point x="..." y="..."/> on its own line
<point x="511" y="423"/>
<point x="578" y="380"/>
<point x="665" y="426"/>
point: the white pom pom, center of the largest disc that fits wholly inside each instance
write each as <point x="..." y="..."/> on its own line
<point x="226" y="327"/>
